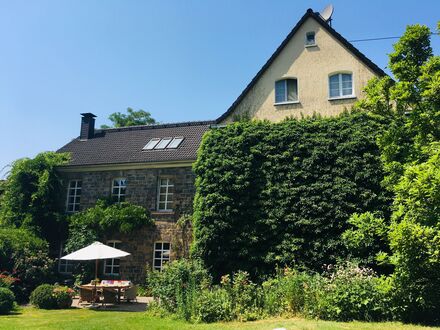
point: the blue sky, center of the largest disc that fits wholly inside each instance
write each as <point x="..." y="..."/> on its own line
<point x="180" y="60"/>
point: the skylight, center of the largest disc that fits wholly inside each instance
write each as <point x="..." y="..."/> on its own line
<point x="150" y="145"/>
<point x="175" y="143"/>
<point x="164" y="143"/>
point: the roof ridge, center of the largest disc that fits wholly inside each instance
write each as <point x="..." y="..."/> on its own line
<point x="309" y="13"/>
<point x="156" y="126"/>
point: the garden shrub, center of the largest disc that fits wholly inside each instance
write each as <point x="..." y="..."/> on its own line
<point x="26" y="258"/>
<point x="213" y="306"/>
<point x="350" y="292"/>
<point x="47" y="296"/>
<point x="271" y="194"/>
<point x="7" y="299"/>
<point x="177" y="284"/>
<point x="43" y="297"/>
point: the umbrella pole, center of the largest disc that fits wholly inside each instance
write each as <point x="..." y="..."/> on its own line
<point x="96" y="276"/>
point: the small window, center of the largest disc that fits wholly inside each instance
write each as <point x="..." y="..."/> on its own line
<point x="310" y="39"/>
<point x="161" y="255"/>
<point x="163" y="143"/>
<point x="64" y="266"/>
<point x="73" y="196"/>
<point x="175" y="143"/>
<point x="165" y="194"/>
<point x="150" y="145"/>
<point x="118" y="189"/>
<point x="286" y="90"/>
<point x="341" y="85"/>
<point x="111" y="266"/>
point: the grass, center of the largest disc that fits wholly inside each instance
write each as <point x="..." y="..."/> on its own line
<point x="31" y="318"/>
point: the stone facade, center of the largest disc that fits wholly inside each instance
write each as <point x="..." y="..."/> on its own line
<point x="142" y="189"/>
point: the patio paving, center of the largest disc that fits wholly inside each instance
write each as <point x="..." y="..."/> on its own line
<point x="139" y="306"/>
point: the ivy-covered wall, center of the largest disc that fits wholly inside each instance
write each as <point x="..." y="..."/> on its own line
<point x="281" y="194"/>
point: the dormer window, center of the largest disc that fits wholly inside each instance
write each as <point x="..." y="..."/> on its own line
<point x="286" y="91"/>
<point x="310" y="39"/>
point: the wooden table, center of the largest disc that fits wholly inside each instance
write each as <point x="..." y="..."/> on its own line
<point x="99" y="286"/>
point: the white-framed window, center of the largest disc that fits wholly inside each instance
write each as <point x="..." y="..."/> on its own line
<point x="64" y="266"/>
<point x="340" y="85"/>
<point x="161" y="256"/>
<point x="165" y="194"/>
<point x="286" y="90"/>
<point x="119" y="187"/>
<point x="310" y="39"/>
<point x="73" y="196"/>
<point x="111" y="266"/>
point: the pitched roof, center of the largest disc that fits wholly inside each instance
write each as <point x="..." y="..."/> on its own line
<point x="309" y="14"/>
<point x="124" y="145"/>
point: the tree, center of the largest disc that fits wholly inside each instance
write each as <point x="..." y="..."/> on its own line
<point x="31" y="197"/>
<point x="132" y="118"/>
<point x="410" y="151"/>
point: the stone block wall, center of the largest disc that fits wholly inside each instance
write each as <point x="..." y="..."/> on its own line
<point x="142" y="188"/>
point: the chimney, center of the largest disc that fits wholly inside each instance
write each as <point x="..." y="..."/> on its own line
<point x="87" y="126"/>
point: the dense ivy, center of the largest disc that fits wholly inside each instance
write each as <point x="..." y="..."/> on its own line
<point x="31" y="196"/>
<point x="276" y="194"/>
<point x="104" y="219"/>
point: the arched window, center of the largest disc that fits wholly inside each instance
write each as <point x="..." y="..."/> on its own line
<point x="286" y="90"/>
<point x="341" y="85"/>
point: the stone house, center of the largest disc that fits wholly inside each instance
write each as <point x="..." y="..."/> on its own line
<point x="314" y="70"/>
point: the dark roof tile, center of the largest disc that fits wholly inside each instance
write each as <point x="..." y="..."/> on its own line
<point x="124" y="145"/>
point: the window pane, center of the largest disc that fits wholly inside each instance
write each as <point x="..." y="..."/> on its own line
<point x="158" y="246"/>
<point x="151" y="144"/>
<point x="166" y="246"/>
<point x="280" y="91"/>
<point x="163" y="143"/>
<point x="175" y="143"/>
<point x="292" y="90"/>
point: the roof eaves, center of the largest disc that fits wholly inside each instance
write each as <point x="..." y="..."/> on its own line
<point x="309" y="13"/>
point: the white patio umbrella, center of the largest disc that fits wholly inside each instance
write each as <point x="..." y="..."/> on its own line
<point x="96" y="251"/>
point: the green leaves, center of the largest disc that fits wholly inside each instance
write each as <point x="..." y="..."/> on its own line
<point x="105" y="219"/>
<point x="276" y="194"/>
<point x="132" y="118"/>
<point x="31" y="195"/>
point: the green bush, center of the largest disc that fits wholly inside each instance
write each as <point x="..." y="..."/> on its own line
<point x="271" y="194"/>
<point x="213" y="306"/>
<point x="350" y="293"/>
<point x="7" y="299"/>
<point x="177" y="284"/>
<point x="63" y="296"/>
<point x="26" y="257"/>
<point x="43" y="297"/>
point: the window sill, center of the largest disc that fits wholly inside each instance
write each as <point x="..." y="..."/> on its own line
<point x="346" y="97"/>
<point x="310" y="46"/>
<point x="161" y="212"/>
<point x="286" y="103"/>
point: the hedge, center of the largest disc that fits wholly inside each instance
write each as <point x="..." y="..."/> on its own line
<point x="271" y="194"/>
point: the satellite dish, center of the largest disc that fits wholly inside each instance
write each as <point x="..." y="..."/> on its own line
<point x="327" y="13"/>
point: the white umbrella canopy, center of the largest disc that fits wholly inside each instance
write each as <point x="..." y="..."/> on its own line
<point x="96" y="251"/>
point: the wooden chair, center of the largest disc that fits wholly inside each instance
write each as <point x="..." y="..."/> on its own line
<point x="109" y="296"/>
<point x="130" y="294"/>
<point x="85" y="295"/>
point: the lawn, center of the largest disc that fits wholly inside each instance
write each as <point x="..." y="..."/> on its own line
<point x="30" y="318"/>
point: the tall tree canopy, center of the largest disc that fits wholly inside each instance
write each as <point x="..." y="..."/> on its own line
<point x="410" y="152"/>
<point x="131" y="118"/>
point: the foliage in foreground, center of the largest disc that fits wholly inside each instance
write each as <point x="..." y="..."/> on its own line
<point x="7" y="299"/>
<point x="24" y="260"/>
<point x="48" y="296"/>
<point x="343" y="293"/>
<point x="281" y="194"/>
